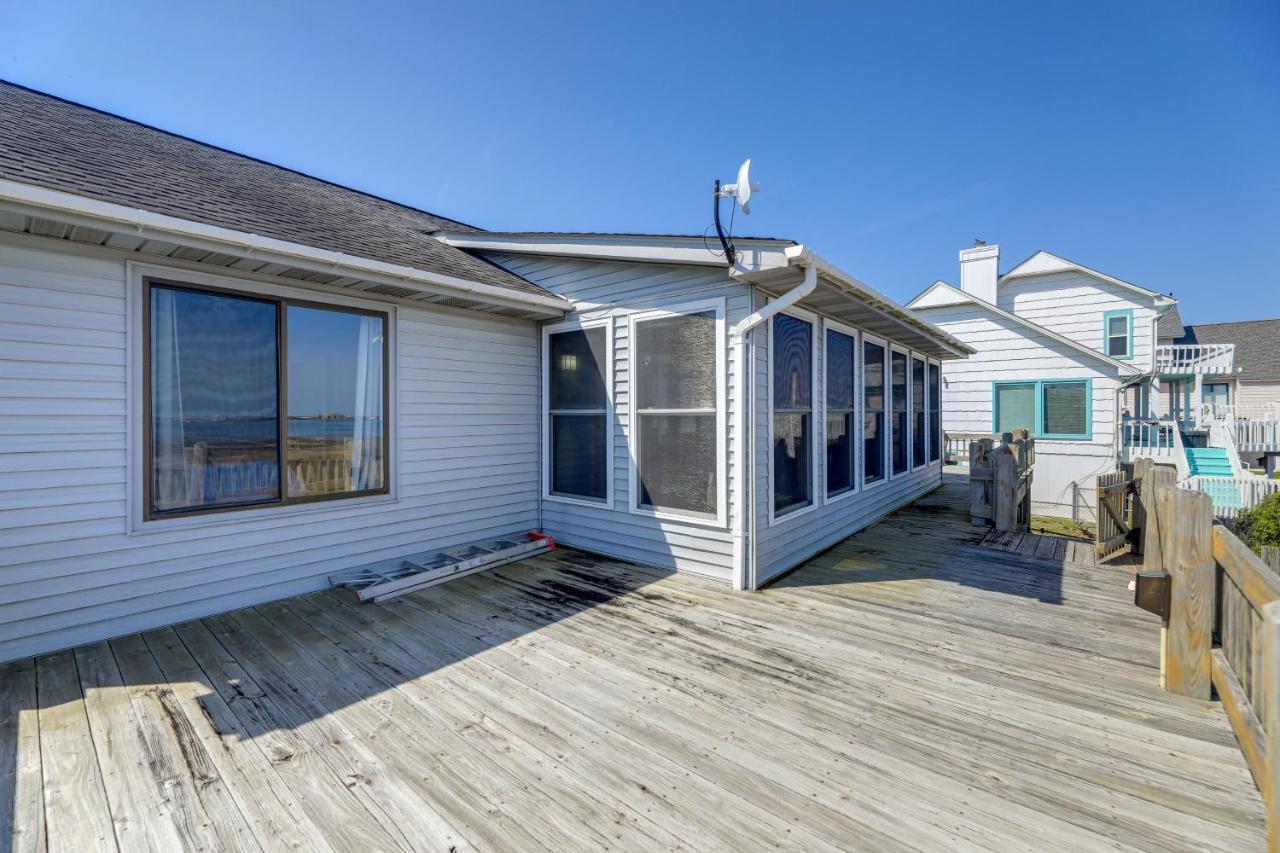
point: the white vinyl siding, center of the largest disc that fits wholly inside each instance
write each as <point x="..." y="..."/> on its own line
<point x="466" y="442"/>
<point x="1075" y="306"/>
<point x="789" y="540"/>
<point x="616" y="290"/>
<point x="1008" y="352"/>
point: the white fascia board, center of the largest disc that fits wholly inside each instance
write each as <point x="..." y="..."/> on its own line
<point x="36" y="201"/>
<point x="961" y="297"/>
<point x="753" y="255"/>
<point x="1046" y="263"/>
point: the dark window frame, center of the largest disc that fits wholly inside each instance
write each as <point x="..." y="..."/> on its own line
<point x="282" y="304"/>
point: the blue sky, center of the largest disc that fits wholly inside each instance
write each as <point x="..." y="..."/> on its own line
<point x="1140" y="138"/>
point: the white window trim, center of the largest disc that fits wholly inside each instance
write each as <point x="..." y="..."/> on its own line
<point x="136" y="522"/>
<point x="578" y="324"/>
<point x="721" y="519"/>
<point x="817" y="420"/>
<point x="889" y="401"/>
<point x="849" y="331"/>
<point x="886" y="449"/>
<point x="923" y="359"/>
<point x="937" y="428"/>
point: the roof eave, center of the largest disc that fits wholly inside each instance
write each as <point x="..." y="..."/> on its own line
<point x="33" y="200"/>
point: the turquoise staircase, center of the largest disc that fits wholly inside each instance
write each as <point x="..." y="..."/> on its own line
<point x="1209" y="462"/>
<point x="1214" y="462"/>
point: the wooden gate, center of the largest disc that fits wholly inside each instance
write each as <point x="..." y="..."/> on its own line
<point x="1114" y="512"/>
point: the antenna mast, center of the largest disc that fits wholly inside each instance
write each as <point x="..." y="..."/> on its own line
<point x="715" y="203"/>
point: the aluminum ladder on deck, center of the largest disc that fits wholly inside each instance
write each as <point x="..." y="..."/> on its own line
<point x="390" y="578"/>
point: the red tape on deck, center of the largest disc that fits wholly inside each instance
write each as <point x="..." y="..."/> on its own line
<point x="551" y="543"/>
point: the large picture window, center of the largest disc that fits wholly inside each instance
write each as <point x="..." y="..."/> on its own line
<point x="578" y="420"/>
<point x="898" y="400"/>
<point x="792" y="343"/>
<point x="252" y="400"/>
<point x="841" y="391"/>
<point x="1049" y="408"/>
<point x="918" y="433"/>
<point x="935" y="412"/>
<point x="677" y="444"/>
<point x="873" y="426"/>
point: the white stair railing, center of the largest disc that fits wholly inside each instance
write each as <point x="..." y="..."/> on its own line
<point x="1232" y="495"/>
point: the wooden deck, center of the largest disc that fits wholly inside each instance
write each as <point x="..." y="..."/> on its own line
<point x="910" y="689"/>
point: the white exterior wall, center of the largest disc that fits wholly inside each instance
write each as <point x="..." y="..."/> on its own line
<point x="1255" y="392"/>
<point x="616" y="290"/>
<point x="1073" y="304"/>
<point x="785" y="542"/>
<point x="466" y="440"/>
<point x="1007" y="351"/>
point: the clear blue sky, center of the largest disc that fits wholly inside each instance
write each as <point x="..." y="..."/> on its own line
<point x="1140" y="138"/>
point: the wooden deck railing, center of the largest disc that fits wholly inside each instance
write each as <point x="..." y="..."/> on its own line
<point x="1000" y="480"/>
<point x="1221" y="611"/>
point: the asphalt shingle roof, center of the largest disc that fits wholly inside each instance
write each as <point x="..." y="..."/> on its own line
<point x="1170" y="324"/>
<point x="60" y="145"/>
<point x="1257" y="345"/>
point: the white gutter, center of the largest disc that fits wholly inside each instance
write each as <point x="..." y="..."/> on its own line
<point x="39" y="201"/>
<point x="744" y="574"/>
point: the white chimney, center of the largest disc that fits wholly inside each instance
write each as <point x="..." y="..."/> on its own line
<point x="979" y="269"/>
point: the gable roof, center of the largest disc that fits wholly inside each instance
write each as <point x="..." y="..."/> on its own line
<point x="1257" y="345"/>
<point x="1170" y="324"/>
<point x="940" y="295"/>
<point x="1044" y="263"/>
<point x="48" y="142"/>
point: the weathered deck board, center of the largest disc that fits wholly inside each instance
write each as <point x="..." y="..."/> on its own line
<point x="992" y="692"/>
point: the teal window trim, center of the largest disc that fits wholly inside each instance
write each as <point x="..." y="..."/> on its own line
<point x="1127" y="313"/>
<point x="1038" y="429"/>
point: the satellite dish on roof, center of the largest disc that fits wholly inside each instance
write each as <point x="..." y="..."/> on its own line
<point x="740" y="192"/>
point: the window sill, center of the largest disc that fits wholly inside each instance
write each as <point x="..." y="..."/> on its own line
<point x="268" y="513"/>
<point x="839" y="497"/>
<point x="786" y="517"/>
<point x="699" y="520"/>
<point x="587" y="502"/>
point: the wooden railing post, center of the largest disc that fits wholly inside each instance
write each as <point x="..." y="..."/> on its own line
<point x="1186" y="544"/>
<point x="1155" y="479"/>
<point x="1006" y="498"/>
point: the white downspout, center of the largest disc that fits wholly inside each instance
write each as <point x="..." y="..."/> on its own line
<point x="743" y="574"/>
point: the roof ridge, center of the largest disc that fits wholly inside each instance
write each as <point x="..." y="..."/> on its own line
<point x="239" y="154"/>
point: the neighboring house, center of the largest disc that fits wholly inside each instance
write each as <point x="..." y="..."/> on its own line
<point x="222" y="381"/>
<point x="1061" y="348"/>
<point x="1248" y="388"/>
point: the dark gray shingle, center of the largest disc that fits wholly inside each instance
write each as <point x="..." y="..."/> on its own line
<point x="59" y="145"/>
<point x="1170" y="324"/>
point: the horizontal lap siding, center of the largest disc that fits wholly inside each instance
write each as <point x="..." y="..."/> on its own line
<point x="790" y="540"/>
<point x="1007" y="351"/>
<point x="468" y="466"/>
<point x="1073" y="305"/>
<point x="598" y="287"/>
